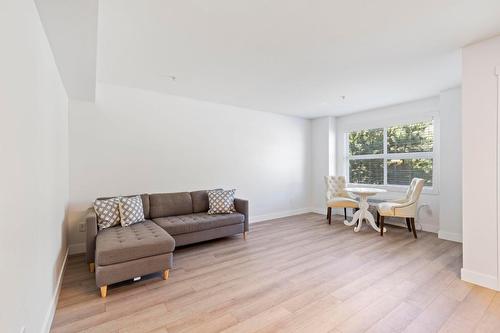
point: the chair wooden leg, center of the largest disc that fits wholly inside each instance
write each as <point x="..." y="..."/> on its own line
<point x="378" y="219"/>
<point x="165" y="275"/>
<point x="413" y="227"/>
<point x="408" y="224"/>
<point x="92" y="267"/>
<point x="104" y="291"/>
<point x="329" y="215"/>
<point x="345" y="213"/>
<point x="382" y="225"/>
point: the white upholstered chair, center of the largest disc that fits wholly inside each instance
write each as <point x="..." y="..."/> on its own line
<point x="337" y="196"/>
<point x="405" y="207"/>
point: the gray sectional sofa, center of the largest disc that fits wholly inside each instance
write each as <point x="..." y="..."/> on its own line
<point x="172" y="219"/>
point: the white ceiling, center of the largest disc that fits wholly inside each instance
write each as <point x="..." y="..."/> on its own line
<point x="289" y="56"/>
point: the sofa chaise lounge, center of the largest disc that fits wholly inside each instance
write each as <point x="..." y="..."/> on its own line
<point x="171" y="219"/>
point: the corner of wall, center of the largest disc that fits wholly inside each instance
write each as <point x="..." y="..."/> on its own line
<point x="481" y="279"/>
<point x="451" y="236"/>
<point x="55" y="298"/>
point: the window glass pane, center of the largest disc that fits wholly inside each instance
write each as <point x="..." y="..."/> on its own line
<point x="366" y="142"/>
<point x="370" y="171"/>
<point x="411" y="138"/>
<point x="401" y="172"/>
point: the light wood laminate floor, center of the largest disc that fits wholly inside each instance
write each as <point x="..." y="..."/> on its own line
<point x="295" y="274"/>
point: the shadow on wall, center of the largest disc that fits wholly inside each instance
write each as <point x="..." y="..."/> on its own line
<point x="77" y="212"/>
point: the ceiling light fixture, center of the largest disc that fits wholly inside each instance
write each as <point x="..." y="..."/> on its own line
<point x="171" y="77"/>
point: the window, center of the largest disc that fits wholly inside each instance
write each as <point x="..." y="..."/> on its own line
<point x="391" y="155"/>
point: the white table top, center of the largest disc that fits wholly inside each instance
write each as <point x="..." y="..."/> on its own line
<point x="365" y="190"/>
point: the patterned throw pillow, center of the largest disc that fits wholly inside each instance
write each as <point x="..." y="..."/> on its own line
<point x="221" y="202"/>
<point x="131" y="210"/>
<point x="108" y="213"/>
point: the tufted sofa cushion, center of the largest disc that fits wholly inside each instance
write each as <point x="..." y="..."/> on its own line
<point x="140" y="240"/>
<point x="176" y="225"/>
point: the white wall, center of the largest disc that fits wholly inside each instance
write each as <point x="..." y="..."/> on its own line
<point x="480" y="133"/>
<point x="428" y="215"/>
<point x="450" y="176"/>
<point x="323" y="159"/>
<point x="436" y="214"/>
<point x="135" y="141"/>
<point x="71" y="27"/>
<point x="34" y="171"/>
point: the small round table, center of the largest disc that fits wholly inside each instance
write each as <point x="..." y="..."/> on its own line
<point x="363" y="213"/>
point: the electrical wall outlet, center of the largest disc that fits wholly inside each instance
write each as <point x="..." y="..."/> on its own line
<point x="82" y="227"/>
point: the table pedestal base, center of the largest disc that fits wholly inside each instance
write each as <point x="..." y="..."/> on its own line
<point x="363" y="214"/>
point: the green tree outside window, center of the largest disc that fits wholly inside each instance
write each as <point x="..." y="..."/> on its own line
<point x="408" y="154"/>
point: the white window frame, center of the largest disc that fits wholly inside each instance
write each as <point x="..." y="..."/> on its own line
<point x="434" y="155"/>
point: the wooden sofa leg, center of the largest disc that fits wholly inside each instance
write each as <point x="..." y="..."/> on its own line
<point x="92" y="267"/>
<point x="104" y="291"/>
<point x="245" y="235"/>
<point x="165" y="274"/>
<point x="329" y="215"/>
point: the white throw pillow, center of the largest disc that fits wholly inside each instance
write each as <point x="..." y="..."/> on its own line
<point x="108" y="212"/>
<point x="221" y="202"/>
<point x="131" y="210"/>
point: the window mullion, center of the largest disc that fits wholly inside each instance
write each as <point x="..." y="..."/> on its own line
<point x="402" y="156"/>
<point x="385" y="155"/>
<point x="366" y="157"/>
<point x="346" y="158"/>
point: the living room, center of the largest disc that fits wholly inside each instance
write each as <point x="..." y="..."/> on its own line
<point x="250" y="166"/>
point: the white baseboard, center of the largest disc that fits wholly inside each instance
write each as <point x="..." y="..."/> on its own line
<point x="451" y="236"/>
<point x="321" y="211"/>
<point x="77" y="248"/>
<point x="272" y="216"/>
<point x="480" y="279"/>
<point x="49" y="317"/>
<point x="81" y="247"/>
<point x="425" y="227"/>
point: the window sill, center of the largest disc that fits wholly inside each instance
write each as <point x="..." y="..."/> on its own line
<point x="397" y="188"/>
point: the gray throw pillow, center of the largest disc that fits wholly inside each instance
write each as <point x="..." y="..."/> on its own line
<point x="221" y="202"/>
<point x="108" y="212"/>
<point x="131" y="210"/>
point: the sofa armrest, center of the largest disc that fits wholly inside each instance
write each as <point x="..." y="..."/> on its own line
<point x="241" y="206"/>
<point x="91" y="220"/>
